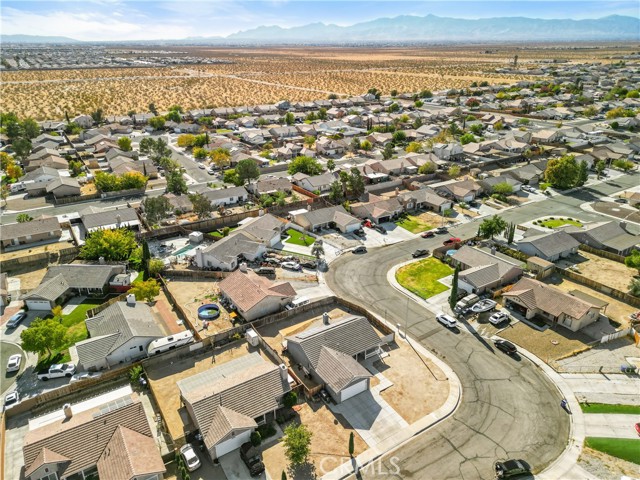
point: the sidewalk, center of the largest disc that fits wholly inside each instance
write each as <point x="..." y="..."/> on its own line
<point x="610" y="425"/>
<point x="604" y="388"/>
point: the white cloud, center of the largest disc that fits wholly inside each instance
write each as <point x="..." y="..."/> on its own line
<point x="93" y="24"/>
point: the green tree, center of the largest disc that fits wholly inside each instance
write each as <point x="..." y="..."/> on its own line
<point x="600" y="167"/>
<point x="173" y="116"/>
<point x="336" y="193"/>
<point x="156" y="123"/>
<point x="427" y="168"/>
<point x="290" y="399"/>
<point x="399" y="136"/>
<point x="230" y="176"/>
<point x="322" y="113"/>
<point x="633" y="260"/>
<point x="388" y="151"/>
<point x="23" y="218"/>
<point x="492" y="226"/>
<point x="331" y="165"/>
<point x="351" y="444"/>
<point x="220" y="157"/>
<point x="43" y="336"/>
<point x="634" y="287"/>
<point x="307" y="165"/>
<point x="476" y="129"/>
<point x="22" y="148"/>
<point x="563" y="172"/>
<point x="511" y="231"/>
<point x="146" y="290"/>
<point x="414" y="147"/>
<point x="317" y="249"/>
<point x="176" y="183"/>
<point x="453" y="296"/>
<point x="76" y="167"/>
<point x="146" y="257"/>
<point x="124" y="144"/>
<point x="97" y="116"/>
<point x="454" y="171"/>
<point x="624" y="165"/>
<point x="467" y="138"/>
<point x="186" y="140"/>
<point x="157" y="208"/>
<point x="583" y="173"/>
<point x="202" y="206"/>
<point x="365" y="145"/>
<point x="114" y="244"/>
<point x="30" y="128"/>
<point x="57" y="312"/>
<point x="289" y="118"/>
<point x="297" y="443"/>
<point x="199" y="153"/>
<point x="247" y="170"/>
<point x="502" y="188"/>
<point x="356" y="182"/>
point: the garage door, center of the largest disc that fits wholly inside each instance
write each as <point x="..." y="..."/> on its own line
<point x="354" y="389"/>
<point x="38" y="305"/>
<point x="232" y="444"/>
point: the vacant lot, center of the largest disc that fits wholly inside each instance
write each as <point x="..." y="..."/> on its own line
<point x="410" y="398"/>
<point x="608" y="272"/>
<point x="422" y="277"/>
<point x="413" y="224"/>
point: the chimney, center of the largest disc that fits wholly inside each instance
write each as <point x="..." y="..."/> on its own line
<point x="493" y="250"/>
<point x="283" y="372"/>
<point x="66" y="408"/>
<point x="131" y="299"/>
<point x="325" y="318"/>
<point x="243" y="267"/>
<point x="623" y="225"/>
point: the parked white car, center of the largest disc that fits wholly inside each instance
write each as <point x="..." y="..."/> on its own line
<point x="498" y="318"/>
<point x="291" y="266"/>
<point x="13" y="365"/>
<point x="190" y="457"/>
<point x="446" y="320"/>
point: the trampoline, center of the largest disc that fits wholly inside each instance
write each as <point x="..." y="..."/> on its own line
<point x="210" y="311"/>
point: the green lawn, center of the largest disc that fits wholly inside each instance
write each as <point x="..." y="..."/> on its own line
<point x="422" y="277"/>
<point x="218" y="233"/>
<point x="297" y="238"/>
<point x="609" y="408"/>
<point x="413" y="224"/>
<point x="558" y="222"/>
<point x="624" y="448"/>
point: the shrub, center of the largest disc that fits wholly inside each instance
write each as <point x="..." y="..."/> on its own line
<point x="267" y="430"/>
<point x="256" y="438"/>
<point x="290" y="399"/>
<point x="236" y="336"/>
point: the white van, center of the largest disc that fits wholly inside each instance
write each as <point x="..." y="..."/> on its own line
<point x="298" y="302"/>
<point x="17" y="187"/>
<point x="169" y="343"/>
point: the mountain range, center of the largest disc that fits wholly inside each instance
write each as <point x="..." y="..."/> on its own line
<point x="409" y="29"/>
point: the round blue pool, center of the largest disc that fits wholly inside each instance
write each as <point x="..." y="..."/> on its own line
<point x="210" y="311"/>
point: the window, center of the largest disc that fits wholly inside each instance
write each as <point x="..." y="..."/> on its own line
<point x="140" y="347"/>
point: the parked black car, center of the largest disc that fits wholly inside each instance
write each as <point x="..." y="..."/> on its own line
<point x="380" y="229"/>
<point x="510" y="468"/>
<point x="360" y="249"/>
<point x="507" y="347"/>
<point x="359" y="232"/>
<point x="309" y="264"/>
<point x="252" y="459"/>
<point x="420" y="253"/>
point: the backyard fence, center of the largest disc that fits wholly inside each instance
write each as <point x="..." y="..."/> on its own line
<point x="602" y="253"/>
<point x="92" y="312"/>
<point x="76" y="199"/>
<point x="619" y="334"/>
<point x="612" y="292"/>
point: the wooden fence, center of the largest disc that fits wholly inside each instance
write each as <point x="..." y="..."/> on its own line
<point x="39" y="260"/>
<point x="76" y="199"/>
<point x="92" y="312"/>
<point x="194" y="274"/>
<point x="612" y="292"/>
<point x="602" y="253"/>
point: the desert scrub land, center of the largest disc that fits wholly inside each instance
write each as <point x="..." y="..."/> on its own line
<point x="261" y="76"/>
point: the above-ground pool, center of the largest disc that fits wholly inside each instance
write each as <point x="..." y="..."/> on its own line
<point x="451" y="253"/>
<point x="210" y="311"/>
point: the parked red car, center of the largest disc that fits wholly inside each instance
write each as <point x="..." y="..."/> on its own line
<point x="452" y="241"/>
<point x="428" y="234"/>
<point x="638" y="428"/>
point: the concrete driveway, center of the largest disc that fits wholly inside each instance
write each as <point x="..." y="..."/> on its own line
<point x="610" y="425"/>
<point x="235" y="469"/>
<point x="371" y="416"/>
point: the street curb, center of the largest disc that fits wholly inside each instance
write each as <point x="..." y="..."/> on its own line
<point x="566" y="465"/>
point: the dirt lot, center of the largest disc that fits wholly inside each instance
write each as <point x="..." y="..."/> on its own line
<point x="548" y="345"/>
<point x="329" y="444"/>
<point x="606" y="467"/>
<point x="163" y="379"/>
<point x="607" y="272"/>
<point x="616" y="310"/>
<point x="169" y="316"/>
<point x="48" y="248"/>
<point x="30" y="280"/>
<point x="191" y="294"/>
<point x="419" y="386"/>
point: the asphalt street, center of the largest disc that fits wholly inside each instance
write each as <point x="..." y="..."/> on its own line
<point x="509" y="409"/>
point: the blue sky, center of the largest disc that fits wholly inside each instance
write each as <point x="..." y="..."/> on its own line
<point x="142" y="19"/>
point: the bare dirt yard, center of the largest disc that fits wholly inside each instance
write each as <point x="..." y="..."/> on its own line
<point x="549" y="345"/>
<point x="329" y="444"/>
<point x="163" y="378"/>
<point x="616" y="310"/>
<point x="608" y="272"/>
<point x="419" y="386"/>
<point x="191" y="294"/>
<point x="606" y="467"/>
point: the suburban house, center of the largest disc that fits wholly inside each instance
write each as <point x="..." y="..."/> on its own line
<point x="481" y="271"/>
<point x="448" y="151"/>
<point x="331" y="354"/>
<point x="39" y="230"/>
<point x="109" y="441"/>
<point x="64" y="187"/>
<point x="610" y="236"/>
<point x="488" y="183"/>
<point x="121" y="333"/>
<point x="329" y="147"/>
<point x="64" y="281"/>
<point x="378" y="209"/>
<point x="550" y="246"/>
<point x="317" y="183"/>
<point x="226" y="196"/>
<point x="527" y="174"/>
<point x="228" y="402"/>
<point x="94" y="218"/>
<point x="460" y="191"/>
<point x="249" y="241"/>
<point x="326" y="218"/>
<point x="255" y="296"/>
<point x="424" y="198"/>
<point x="270" y="186"/>
<point x="533" y="298"/>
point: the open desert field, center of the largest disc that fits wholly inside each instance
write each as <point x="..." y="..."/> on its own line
<point x="257" y="76"/>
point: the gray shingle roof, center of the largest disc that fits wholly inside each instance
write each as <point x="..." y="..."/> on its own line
<point x="84" y="276"/>
<point x="553" y="243"/>
<point x="34" y="227"/>
<point x="330" y="214"/>
<point x="263" y="228"/>
<point x="473" y="257"/>
<point x="339" y="370"/>
<point x="222" y="193"/>
<point x="95" y="219"/>
<point x="351" y="335"/>
<point x="49" y="289"/>
<point x="229" y="248"/>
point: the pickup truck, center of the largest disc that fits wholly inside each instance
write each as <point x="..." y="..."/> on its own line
<point x="57" y="371"/>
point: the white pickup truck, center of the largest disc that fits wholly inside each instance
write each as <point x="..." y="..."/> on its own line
<point x="57" y="371"/>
